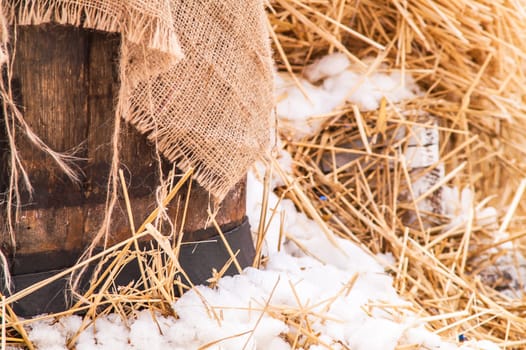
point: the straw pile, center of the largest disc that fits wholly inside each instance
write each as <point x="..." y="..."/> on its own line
<point x="469" y="57"/>
<point x="155" y="290"/>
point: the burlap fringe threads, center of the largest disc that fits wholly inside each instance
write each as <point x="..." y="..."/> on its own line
<point x="196" y="77"/>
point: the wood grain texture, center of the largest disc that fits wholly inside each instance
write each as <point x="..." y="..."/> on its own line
<point x="66" y="84"/>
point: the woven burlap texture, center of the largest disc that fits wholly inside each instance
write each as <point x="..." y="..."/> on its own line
<point x="196" y="75"/>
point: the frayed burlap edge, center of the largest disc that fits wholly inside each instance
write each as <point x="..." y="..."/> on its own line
<point x="154" y="32"/>
<point x="153" y="46"/>
<point x="253" y="63"/>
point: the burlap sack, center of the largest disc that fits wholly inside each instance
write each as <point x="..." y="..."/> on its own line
<point x="196" y="75"/>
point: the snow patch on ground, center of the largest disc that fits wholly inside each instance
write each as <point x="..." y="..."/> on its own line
<point x="336" y="289"/>
<point x="242" y="312"/>
<point x="508" y="272"/>
<point x="329" y="83"/>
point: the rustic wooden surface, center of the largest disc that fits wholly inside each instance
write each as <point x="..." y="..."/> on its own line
<point x="66" y="82"/>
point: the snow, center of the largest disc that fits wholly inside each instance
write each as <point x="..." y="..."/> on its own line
<point x="327" y="66"/>
<point x="329" y="83"/>
<point x="245" y="304"/>
<point x="509" y="269"/>
<point x="333" y="291"/>
<point x="458" y="205"/>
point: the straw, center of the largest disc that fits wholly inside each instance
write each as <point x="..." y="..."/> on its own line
<point x="468" y="57"/>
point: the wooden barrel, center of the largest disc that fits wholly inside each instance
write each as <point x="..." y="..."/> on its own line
<point x="65" y="81"/>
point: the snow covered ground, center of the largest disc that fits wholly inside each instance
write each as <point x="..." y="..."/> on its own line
<point x="311" y="291"/>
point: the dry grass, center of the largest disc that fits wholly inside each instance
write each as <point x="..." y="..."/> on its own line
<point x="158" y="288"/>
<point x="468" y="56"/>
